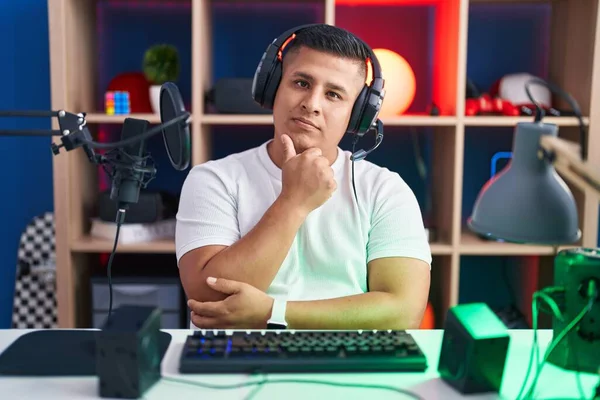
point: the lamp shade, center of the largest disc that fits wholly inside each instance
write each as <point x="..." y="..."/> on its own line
<point x="527" y="202"/>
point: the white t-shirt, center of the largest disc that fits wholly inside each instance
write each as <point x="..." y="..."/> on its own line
<point x="222" y="200"/>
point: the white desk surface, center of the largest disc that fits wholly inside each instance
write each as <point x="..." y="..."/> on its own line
<point x="553" y="383"/>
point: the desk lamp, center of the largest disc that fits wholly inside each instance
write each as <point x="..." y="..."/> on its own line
<point x="528" y="202"/>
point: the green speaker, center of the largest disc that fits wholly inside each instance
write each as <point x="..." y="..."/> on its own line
<point x="577" y="272"/>
<point x="474" y="349"/>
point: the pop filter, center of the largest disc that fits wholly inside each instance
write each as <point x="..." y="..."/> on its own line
<point x="176" y="136"/>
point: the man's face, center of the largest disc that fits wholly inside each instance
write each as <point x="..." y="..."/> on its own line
<point x="315" y="99"/>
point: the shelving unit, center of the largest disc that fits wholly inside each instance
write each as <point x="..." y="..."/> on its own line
<point x="573" y="64"/>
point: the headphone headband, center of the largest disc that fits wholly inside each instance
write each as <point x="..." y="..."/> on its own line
<point x="287" y="35"/>
<point x="269" y="71"/>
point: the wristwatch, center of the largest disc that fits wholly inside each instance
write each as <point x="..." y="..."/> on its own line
<point x="277" y="320"/>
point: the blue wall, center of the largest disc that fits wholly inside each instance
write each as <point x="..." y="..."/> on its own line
<point x="25" y="162"/>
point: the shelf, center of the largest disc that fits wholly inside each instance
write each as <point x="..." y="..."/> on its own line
<point x="451" y="40"/>
<point x="470" y="244"/>
<point x="266" y="119"/>
<point x="87" y="244"/>
<point x="99" y="118"/>
<point x="440" y="248"/>
<point x="512" y="121"/>
<point x="237" y="119"/>
<point x="419" y="120"/>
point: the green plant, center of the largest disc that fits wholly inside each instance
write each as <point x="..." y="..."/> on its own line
<point x="161" y="64"/>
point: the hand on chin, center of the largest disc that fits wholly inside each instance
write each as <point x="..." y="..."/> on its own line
<point x="301" y="141"/>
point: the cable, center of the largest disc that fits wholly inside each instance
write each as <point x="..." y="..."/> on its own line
<point x="533" y="352"/>
<point x="539" y="114"/>
<point x="353" y="186"/>
<point x="308" y="381"/>
<point x="120" y="219"/>
<point x="556" y="341"/>
<point x="535" y="308"/>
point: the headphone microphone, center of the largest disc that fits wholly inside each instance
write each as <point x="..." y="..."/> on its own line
<point x="362" y="154"/>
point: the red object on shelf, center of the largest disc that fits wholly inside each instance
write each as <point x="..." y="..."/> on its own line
<point x="138" y="87"/>
<point x="486" y="105"/>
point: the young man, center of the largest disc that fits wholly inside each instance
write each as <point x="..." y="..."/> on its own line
<point x="275" y="233"/>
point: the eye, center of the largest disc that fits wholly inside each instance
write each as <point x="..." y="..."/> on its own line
<point x="301" y="83"/>
<point x="334" y="94"/>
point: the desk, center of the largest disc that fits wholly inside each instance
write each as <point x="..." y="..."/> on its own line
<point x="553" y="383"/>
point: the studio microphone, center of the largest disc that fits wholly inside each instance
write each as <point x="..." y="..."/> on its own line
<point x="130" y="171"/>
<point x="362" y="154"/>
<point x="126" y="161"/>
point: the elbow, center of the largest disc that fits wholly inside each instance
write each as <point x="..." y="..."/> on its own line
<point x="195" y="286"/>
<point x="406" y="315"/>
<point x="403" y="323"/>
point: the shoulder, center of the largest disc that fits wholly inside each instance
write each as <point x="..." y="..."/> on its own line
<point x="227" y="169"/>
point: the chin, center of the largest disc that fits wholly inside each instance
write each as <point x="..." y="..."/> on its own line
<point x="302" y="141"/>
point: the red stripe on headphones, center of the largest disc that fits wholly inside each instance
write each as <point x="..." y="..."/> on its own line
<point x="279" y="53"/>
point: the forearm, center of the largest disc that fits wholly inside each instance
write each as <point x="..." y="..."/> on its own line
<point x="256" y="257"/>
<point x="372" y="310"/>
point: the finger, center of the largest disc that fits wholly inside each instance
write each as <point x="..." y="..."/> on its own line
<point x="288" y="148"/>
<point x="313" y="152"/>
<point x="203" y="322"/>
<point x="207" y="308"/>
<point x="332" y="186"/>
<point x="323" y="162"/>
<point x="224" y="285"/>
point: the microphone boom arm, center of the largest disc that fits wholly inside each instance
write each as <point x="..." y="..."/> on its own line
<point x="74" y="132"/>
<point x="30" y="132"/>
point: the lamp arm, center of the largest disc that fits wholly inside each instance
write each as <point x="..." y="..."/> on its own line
<point x="565" y="157"/>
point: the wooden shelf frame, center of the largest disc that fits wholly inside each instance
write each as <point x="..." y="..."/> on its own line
<point x="73" y="78"/>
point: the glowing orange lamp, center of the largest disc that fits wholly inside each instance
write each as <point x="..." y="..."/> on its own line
<point x="400" y="83"/>
<point x="428" y="321"/>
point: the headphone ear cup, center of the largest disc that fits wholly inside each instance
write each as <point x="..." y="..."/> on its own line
<point x="271" y="86"/>
<point x="258" y="84"/>
<point x="357" y="113"/>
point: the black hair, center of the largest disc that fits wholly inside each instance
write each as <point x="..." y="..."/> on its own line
<point x="333" y="40"/>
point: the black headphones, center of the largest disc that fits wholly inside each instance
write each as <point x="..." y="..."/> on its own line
<point x="366" y="107"/>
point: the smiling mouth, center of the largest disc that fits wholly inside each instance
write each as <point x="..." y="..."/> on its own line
<point x="304" y="123"/>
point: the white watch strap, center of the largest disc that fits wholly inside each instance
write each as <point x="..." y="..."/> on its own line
<point x="278" y="312"/>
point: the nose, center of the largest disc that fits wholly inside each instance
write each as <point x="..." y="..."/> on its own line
<point x="311" y="103"/>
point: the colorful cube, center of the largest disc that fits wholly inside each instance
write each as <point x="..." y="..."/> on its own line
<point x="117" y="103"/>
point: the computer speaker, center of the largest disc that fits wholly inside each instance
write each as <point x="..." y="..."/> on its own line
<point x="474" y="349"/>
<point x="128" y="356"/>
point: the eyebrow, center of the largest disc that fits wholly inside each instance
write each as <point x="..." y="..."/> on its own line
<point x="330" y="85"/>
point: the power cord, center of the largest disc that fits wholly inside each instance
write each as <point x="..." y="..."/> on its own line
<point x="263" y="381"/>
<point x="119" y="220"/>
<point x="544" y="295"/>
<point x="539" y="113"/>
<point x="354" y="142"/>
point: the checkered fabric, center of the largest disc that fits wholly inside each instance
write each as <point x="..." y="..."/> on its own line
<point x="34" y="304"/>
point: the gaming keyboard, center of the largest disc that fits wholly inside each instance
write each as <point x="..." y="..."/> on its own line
<point x="300" y="351"/>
